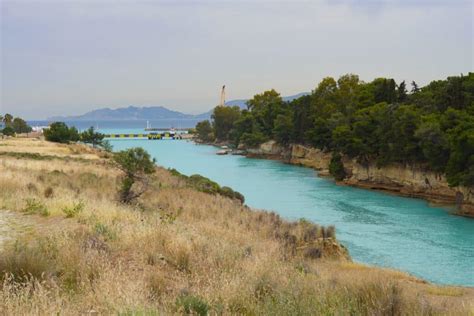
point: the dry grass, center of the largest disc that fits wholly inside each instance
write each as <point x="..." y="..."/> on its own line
<point x="178" y="251"/>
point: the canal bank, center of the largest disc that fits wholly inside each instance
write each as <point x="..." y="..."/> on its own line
<point x="378" y="228"/>
<point x="403" y="180"/>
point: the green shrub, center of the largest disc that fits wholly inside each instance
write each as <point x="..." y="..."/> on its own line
<point x="59" y="132"/>
<point x="34" y="206"/>
<point x="74" y="210"/>
<point x="206" y="185"/>
<point x="8" y="131"/>
<point x="191" y="304"/>
<point x="336" y="167"/>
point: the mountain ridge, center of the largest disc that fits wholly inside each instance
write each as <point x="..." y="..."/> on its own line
<point x="151" y="112"/>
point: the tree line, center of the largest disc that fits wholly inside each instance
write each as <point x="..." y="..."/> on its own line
<point x="13" y="125"/>
<point x="378" y="121"/>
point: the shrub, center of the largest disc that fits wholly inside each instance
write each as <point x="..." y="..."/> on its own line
<point x="228" y="192"/>
<point x="59" y="132"/>
<point x="74" y="210"/>
<point x="35" y="207"/>
<point x="136" y="164"/>
<point x="8" y="131"/>
<point x="192" y="304"/>
<point x="206" y="185"/>
<point x="48" y="192"/>
<point x="336" y="167"/>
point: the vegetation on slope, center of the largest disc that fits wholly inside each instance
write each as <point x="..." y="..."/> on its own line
<point x="431" y="126"/>
<point x="176" y="250"/>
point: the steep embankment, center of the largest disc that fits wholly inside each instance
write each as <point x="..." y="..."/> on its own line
<point x="177" y="250"/>
<point x="404" y="180"/>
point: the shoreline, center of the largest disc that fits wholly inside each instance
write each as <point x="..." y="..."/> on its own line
<point x="284" y="155"/>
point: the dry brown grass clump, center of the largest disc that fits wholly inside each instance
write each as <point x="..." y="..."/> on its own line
<point x="177" y="251"/>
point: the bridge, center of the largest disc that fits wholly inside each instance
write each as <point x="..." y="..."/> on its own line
<point x="151" y="136"/>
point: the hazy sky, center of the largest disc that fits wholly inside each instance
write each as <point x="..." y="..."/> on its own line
<point x="68" y="57"/>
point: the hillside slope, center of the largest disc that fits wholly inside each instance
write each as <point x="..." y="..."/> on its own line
<point x="176" y="251"/>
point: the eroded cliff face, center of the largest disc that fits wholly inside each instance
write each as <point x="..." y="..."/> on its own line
<point x="400" y="179"/>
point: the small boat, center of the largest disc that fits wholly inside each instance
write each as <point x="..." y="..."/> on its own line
<point x="224" y="147"/>
<point x="221" y="152"/>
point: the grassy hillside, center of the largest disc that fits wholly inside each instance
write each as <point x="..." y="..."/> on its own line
<point x="75" y="249"/>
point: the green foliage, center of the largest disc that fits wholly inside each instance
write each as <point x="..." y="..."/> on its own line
<point x="74" y="210"/>
<point x="191" y="305"/>
<point x="135" y="163"/>
<point x="59" y="132"/>
<point x="204" y="131"/>
<point x="206" y="185"/>
<point x="7" y="119"/>
<point x="336" y="167"/>
<point x="378" y="121"/>
<point x="34" y="206"/>
<point x="90" y="136"/>
<point x="8" y="131"/>
<point x="223" y="119"/>
<point x="20" y="126"/>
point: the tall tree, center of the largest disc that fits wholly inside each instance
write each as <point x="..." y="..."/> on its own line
<point x="402" y="92"/>
<point x="7" y="119"/>
<point x="204" y="131"/>
<point x="20" y="126"/>
<point x="223" y="119"/>
<point x="90" y="136"/>
<point x="414" y="87"/>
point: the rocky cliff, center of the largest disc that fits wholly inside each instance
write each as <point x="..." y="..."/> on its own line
<point x="401" y="179"/>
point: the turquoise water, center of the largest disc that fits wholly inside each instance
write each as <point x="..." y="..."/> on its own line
<point x="378" y="228"/>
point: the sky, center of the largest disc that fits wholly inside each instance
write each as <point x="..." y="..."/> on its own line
<point x="69" y="57"/>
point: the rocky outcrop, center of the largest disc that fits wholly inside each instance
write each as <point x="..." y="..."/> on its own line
<point x="268" y="149"/>
<point x="310" y="157"/>
<point x="400" y="179"/>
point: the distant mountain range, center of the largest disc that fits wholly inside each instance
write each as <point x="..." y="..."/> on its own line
<point x="150" y="113"/>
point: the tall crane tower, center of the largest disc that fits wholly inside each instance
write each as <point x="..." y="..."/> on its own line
<point x="222" y="96"/>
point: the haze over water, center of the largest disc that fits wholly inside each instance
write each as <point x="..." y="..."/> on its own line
<point x="379" y="229"/>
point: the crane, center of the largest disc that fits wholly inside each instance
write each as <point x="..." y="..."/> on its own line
<point x="222" y="96"/>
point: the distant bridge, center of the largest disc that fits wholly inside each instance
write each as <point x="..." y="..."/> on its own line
<point x="151" y="136"/>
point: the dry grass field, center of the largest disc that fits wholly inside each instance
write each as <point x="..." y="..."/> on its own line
<point x="77" y="250"/>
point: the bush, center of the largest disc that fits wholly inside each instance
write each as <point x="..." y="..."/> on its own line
<point x="192" y="304"/>
<point x="8" y="131"/>
<point x="48" y="192"/>
<point x="206" y="185"/>
<point x="228" y="192"/>
<point x="74" y="210"/>
<point x="35" y="207"/>
<point x="336" y="167"/>
<point x="136" y="164"/>
<point x="59" y="132"/>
